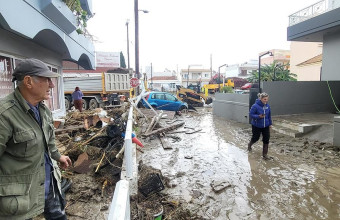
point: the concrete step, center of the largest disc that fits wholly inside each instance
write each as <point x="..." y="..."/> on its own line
<point x="296" y="126"/>
<point x="287" y="131"/>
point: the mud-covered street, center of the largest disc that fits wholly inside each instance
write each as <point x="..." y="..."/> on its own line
<point x="211" y="173"/>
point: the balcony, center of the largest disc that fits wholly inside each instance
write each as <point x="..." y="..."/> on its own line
<point x="60" y="14"/>
<point x="313" y="23"/>
<point x="52" y="25"/>
<point x="314" y="10"/>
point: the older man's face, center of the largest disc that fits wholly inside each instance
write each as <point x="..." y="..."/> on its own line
<point x="42" y="87"/>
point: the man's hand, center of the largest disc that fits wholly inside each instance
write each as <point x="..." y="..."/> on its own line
<point x="65" y="162"/>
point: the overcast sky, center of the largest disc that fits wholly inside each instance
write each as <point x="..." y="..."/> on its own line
<point x="176" y="33"/>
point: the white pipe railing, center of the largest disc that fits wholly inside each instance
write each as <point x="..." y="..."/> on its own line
<point x="120" y="205"/>
<point x="128" y="145"/>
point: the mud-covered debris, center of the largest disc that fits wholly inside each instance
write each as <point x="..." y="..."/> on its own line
<point x="150" y="180"/>
<point x="188" y="156"/>
<point x="83" y="164"/>
<point x="219" y="185"/>
<point x="161" y="130"/>
<point x="150" y="209"/>
<point x="152" y="184"/>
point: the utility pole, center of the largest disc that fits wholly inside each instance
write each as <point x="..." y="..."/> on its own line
<point x="136" y="43"/>
<point x="151" y="77"/>
<point x="128" y="50"/>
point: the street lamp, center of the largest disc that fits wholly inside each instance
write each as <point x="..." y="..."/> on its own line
<point x="137" y="41"/>
<point x="127" y="36"/>
<point x="270" y="54"/>
<point x="219" y="76"/>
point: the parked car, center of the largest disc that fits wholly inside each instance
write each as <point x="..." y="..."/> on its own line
<point x="164" y="101"/>
<point x="246" y="86"/>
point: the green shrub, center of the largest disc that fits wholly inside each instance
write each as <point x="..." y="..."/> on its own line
<point x="227" y="89"/>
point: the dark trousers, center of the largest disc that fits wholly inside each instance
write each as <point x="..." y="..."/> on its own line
<point x="78" y="104"/>
<point x="257" y="132"/>
<point x="55" y="204"/>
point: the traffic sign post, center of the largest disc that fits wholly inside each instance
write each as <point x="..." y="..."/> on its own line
<point x="134" y="82"/>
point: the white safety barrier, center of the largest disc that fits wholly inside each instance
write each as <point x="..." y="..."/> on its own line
<point x="120" y="205"/>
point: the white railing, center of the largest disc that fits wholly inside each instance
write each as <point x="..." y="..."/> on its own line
<point x="313" y="11"/>
<point x="120" y="205"/>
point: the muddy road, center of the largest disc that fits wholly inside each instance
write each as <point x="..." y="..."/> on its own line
<point x="212" y="174"/>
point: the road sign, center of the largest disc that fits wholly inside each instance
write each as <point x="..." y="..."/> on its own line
<point x="134" y="82"/>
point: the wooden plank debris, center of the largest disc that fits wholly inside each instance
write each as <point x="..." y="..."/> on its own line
<point x="161" y="130"/>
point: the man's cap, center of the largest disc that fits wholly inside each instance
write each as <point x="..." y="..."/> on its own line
<point x="32" y="67"/>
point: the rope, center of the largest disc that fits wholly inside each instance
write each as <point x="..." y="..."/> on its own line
<point x="330" y="92"/>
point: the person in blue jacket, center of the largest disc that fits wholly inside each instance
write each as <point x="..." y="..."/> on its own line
<point x="261" y="121"/>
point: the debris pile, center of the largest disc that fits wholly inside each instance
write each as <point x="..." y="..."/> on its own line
<point x="94" y="141"/>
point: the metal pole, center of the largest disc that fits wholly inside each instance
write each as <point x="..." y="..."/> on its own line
<point x="188" y="76"/>
<point x="151" y="77"/>
<point x="136" y="43"/>
<point x="128" y="50"/>
<point x="259" y="74"/>
<point x="219" y="77"/>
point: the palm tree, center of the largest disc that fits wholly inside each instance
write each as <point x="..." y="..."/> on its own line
<point x="273" y="72"/>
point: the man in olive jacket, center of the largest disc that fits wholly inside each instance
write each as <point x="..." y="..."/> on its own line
<point x="29" y="174"/>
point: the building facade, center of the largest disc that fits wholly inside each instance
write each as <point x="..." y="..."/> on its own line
<point x="279" y="56"/>
<point x="320" y="23"/>
<point x="45" y="30"/>
<point x="164" y="83"/>
<point x="195" y="76"/>
<point x="242" y="70"/>
<point x="306" y="60"/>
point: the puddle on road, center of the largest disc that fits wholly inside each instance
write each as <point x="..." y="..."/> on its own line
<point x="254" y="188"/>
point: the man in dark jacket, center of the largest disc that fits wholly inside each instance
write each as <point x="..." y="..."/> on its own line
<point x="77" y="97"/>
<point x="261" y="122"/>
<point x="29" y="174"/>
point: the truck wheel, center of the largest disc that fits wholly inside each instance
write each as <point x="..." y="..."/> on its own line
<point x="93" y="104"/>
<point x="85" y="104"/>
<point x="67" y="104"/>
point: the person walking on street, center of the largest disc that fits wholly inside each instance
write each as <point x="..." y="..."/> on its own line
<point x="30" y="179"/>
<point x="261" y="121"/>
<point x="77" y="97"/>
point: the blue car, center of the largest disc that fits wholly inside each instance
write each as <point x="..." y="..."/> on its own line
<point x="164" y="101"/>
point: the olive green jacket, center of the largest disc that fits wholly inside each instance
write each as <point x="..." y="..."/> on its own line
<point x="22" y="166"/>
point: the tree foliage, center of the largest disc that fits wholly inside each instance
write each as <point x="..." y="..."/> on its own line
<point x="273" y="72"/>
<point x="122" y="60"/>
<point x="82" y="17"/>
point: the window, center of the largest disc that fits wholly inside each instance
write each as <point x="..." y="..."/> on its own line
<point x="159" y="96"/>
<point x="53" y="103"/>
<point x="170" y="97"/>
<point x="6" y="70"/>
<point x="206" y="75"/>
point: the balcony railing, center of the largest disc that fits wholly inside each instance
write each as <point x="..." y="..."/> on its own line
<point x="314" y="10"/>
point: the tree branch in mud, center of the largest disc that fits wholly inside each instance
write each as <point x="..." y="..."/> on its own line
<point x="158" y="131"/>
